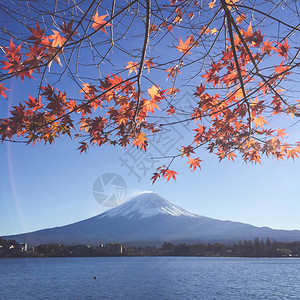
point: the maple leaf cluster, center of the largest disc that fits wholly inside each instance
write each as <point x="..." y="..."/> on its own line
<point x="236" y="93"/>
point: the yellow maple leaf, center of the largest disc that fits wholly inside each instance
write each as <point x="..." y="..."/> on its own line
<point x="154" y="91"/>
<point x="239" y="94"/>
<point x="132" y="66"/>
<point x="214" y="31"/>
<point x="212" y="4"/>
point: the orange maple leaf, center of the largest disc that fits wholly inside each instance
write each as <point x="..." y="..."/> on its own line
<point x="282" y="70"/>
<point x="99" y="22"/>
<point x="172" y="71"/>
<point x="231" y="156"/>
<point x="184" y="47"/>
<point x="149" y="63"/>
<point x="153" y="28"/>
<point x="191" y="15"/>
<point x="58" y="40"/>
<point x="140" y="141"/>
<point x="172" y="91"/>
<point x="292" y="153"/>
<point x="115" y="80"/>
<point x="154" y="91"/>
<point x="281" y="133"/>
<point x="239" y="94"/>
<point x="230" y="2"/>
<point x="292" y="110"/>
<point x="240" y="18"/>
<point x="248" y="34"/>
<point x="267" y="47"/>
<point x="194" y="163"/>
<point x="71" y="105"/>
<point x="256" y="158"/>
<point x="151" y="105"/>
<point x="132" y="66"/>
<point x="212" y="4"/>
<point x="260" y="121"/>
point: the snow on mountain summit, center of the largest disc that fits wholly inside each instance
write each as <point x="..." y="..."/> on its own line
<point x="147" y="205"/>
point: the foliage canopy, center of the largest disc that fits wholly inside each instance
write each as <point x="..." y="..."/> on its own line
<point x="106" y="70"/>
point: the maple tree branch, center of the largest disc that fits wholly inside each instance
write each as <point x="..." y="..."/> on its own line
<point x="267" y="15"/>
<point x="10" y="75"/>
<point x="209" y="140"/>
<point x="76" y="27"/>
<point x="108" y="21"/>
<point x="112" y="24"/>
<point x="253" y="60"/>
<point x="206" y="54"/>
<point x="141" y="66"/>
<point x="56" y="53"/>
<point x="232" y="105"/>
<point x="237" y="62"/>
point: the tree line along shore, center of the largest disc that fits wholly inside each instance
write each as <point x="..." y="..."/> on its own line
<point x="246" y="248"/>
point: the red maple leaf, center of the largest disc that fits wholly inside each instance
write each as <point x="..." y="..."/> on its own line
<point x="67" y="29"/>
<point x="14" y="63"/>
<point x="171" y="110"/>
<point x="155" y="177"/>
<point x="200" y="90"/>
<point x="38" y="33"/>
<point x="187" y="151"/>
<point x="2" y="89"/>
<point x="170" y="174"/>
<point x="282" y="49"/>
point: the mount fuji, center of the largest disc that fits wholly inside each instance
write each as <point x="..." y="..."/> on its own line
<point x="151" y="219"/>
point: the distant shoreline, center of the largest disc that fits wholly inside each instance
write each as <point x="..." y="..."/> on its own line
<point x="256" y="248"/>
<point x="42" y="257"/>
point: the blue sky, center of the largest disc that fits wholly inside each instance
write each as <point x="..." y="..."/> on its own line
<point x="47" y="186"/>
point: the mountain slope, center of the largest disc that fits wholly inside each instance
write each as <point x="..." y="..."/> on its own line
<point x="150" y="218"/>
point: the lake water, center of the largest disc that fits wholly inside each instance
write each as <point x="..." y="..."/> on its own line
<point x="150" y="278"/>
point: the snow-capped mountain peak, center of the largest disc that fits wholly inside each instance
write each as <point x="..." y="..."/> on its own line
<point x="149" y="218"/>
<point x="147" y="205"/>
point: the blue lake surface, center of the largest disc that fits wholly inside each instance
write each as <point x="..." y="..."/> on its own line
<point x="150" y="278"/>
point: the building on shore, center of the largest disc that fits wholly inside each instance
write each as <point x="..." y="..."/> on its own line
<point x="23" y="247"/>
